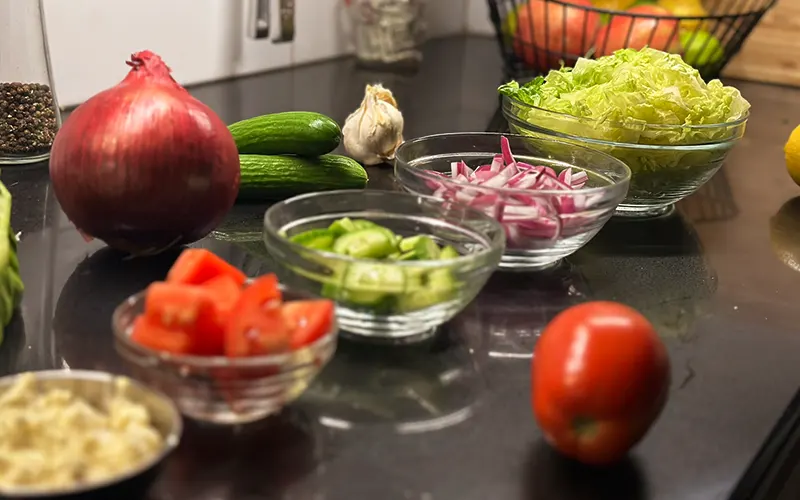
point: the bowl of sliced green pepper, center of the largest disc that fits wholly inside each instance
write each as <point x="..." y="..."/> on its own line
<point x="398" y="265"/>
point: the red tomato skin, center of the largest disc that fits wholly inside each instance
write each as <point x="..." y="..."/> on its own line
<point x="544" y="46"/>
<point x="263" y="293"/>
<point x="256" y="326"/>
<point x="661" y="34"/>
<point x="308" y="320"/>
<point x="226" y="293"/>
<point x="152" y="335"/>
<point x="600" y="378"/>
<point x="256" y="333"/>
<point x="195" y="266"/>
<point x="188" y="308"/>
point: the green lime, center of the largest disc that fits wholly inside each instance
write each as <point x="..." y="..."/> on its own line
<point x="701" y="48"/>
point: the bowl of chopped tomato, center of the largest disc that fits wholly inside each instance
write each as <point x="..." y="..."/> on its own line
<point x="227" y="349"/>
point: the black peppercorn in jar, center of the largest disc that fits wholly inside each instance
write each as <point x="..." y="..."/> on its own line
<point x="29" y="116"/>
<point x="28" y="121"/>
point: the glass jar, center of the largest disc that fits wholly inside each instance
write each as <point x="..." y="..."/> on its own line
<point x="29" y="116"/>
<point x="387" y="32"/>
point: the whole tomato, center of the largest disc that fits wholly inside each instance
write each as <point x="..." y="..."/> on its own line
<point x="600" y="378"/>
<point x="636" y="33"/>
<point x="549" y="32"/>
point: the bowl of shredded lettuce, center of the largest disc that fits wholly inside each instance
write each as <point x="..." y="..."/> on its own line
<point x="645" y="107"/>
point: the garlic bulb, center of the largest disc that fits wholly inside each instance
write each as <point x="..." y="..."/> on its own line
<point x="374" y="131"/>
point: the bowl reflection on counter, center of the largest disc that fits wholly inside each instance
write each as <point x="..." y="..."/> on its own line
<point x="657" y="266"/>
<point x="510" y="314"/>
<point x="219" y="389"/>
<point x="410" y="389"/>
<point x="661" y="174"/>
<point x="97" y="388"/>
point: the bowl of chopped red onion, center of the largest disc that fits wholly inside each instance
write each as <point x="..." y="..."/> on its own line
<point x="550" y="196"/>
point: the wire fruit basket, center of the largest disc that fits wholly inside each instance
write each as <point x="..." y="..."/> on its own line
<point x="539" y="35"/>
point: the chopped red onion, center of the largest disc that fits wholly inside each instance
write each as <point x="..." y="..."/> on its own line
<point x="524" y="216"/>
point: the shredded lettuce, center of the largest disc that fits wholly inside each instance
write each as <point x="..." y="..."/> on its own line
<point x="620" y="97"/>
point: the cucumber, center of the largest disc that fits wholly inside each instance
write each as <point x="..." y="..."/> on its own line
<point x="365" y="244"/>
<point x="300" y="133"/>
<point x="342" y="226"/>
<point x="368" y="285"/>
<point x="440" y="287"/>
<point x="269" y="178"/>
<point x="318" y="239"/>
<point x="11" y="286"/>
<point x="380" y="286"/>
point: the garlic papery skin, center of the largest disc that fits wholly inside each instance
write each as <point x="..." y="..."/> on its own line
<point x="374" y="131"/>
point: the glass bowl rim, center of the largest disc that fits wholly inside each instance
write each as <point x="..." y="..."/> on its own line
<point x="195" y="361"/>
<point x="405" y="165"/>
<point x="496" y="244"/>
<point x="647" y="126"/>
<point x="171" y="439"/>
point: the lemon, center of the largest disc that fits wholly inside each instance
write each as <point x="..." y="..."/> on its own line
<point x="613" y="4"/>
<point x="510" y="24"/>
<point x="687" y="8"/>
<point x="792" y="150"/>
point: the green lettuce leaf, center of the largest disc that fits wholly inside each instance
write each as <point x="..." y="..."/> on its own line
<point x="619" y="97"/>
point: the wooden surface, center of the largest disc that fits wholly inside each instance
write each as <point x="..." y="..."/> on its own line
<point x="772" y="52"/>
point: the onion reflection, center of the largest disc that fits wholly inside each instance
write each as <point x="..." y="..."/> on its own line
<point x="82" y="321"/>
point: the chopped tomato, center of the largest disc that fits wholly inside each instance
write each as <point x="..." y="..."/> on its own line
<point x="262" y="294"/>
<point x="226" y="293"/>
<point x="188" y="308"/>
<point x="196" y="266"/>
<point x="256" y="333"/>
<point x="150" y="334"/>
<point x="308" y="319"/>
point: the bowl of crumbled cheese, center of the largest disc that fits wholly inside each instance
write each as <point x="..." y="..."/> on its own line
<point x="82" y="435"/>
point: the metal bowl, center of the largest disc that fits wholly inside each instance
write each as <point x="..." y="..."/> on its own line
<point x="96" y="388"/>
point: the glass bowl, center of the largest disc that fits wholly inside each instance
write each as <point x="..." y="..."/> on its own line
<point x="531" y="243"/>
<point x="218" y="389"/>
<point x="387" y="300"/>
<point x="667" y="162"/>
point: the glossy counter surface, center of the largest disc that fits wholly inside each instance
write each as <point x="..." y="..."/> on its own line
<point x="450" y="418"/>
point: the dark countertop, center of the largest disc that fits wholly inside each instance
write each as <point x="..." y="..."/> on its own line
<point x="450" y="418"/>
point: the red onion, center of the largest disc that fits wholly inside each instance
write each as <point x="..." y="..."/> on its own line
<point x="144" y="165"/>
<point x="525" y="213"/>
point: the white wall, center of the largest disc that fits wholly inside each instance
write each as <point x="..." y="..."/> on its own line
<point x="204" y="40"/>
<point x="478" y="22"/>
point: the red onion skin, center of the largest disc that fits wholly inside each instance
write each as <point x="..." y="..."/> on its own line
<point x="144" y="165"/>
